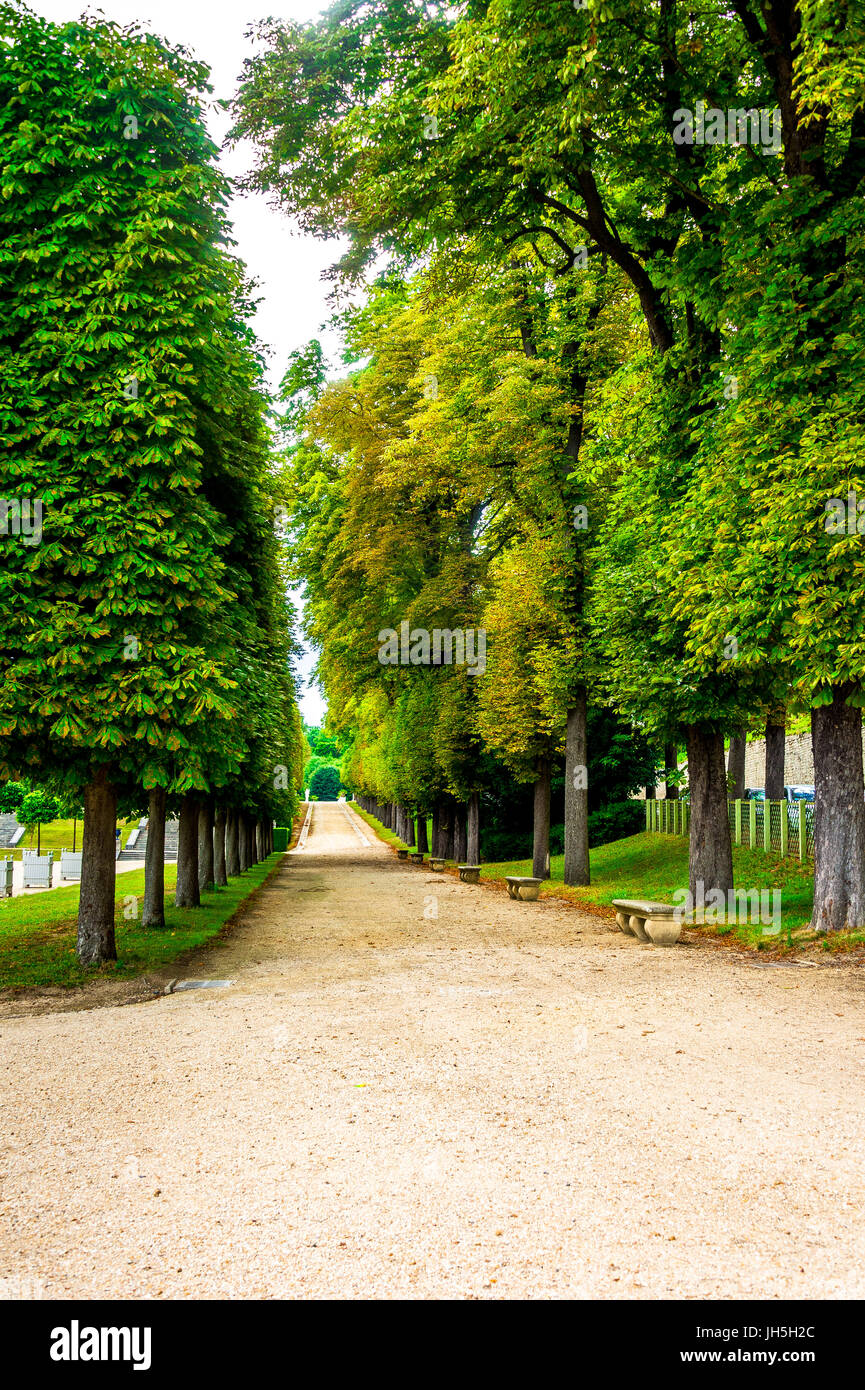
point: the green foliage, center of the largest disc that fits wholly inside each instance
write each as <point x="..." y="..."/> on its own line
<point x="615" y="821"/>
<point x="37" y="808"/>
<point x="149" y="630"/>
<point x="324" y="783"/>
<point x="12" y="794"/>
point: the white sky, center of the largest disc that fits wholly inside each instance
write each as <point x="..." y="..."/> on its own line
<point x="286" y="265"/>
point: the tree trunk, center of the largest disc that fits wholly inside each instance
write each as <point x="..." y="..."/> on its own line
<point x="259" y="841"/>
<point x="409" y="831"/>
<point x="710" y="850"/>
<point x="473" y="829"/>
<point x="186" y="893"/>
<point x="242" y="842"/>
<point x="96" y="899"/>
<point x="839" y="815"/>
<point x="577" y="795"/>
<point x="460" y="834"/>
<point x="153" y="914"/>
<point x="448" y="830"/>
<point x="437" y="813"/>
<point x="232" y="851"/>
<point x="541" y="846"/>
<point x="205" y="844"/>
<point x="651" y="791"/>
<point x="220" y="876"/>
<point x="422" y="838"/>
<point x="736" y="767"/>
<point x="776" y="737"/>
<point x="671" y="764"/>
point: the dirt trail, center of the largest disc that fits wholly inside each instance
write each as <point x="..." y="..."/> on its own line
<point x="419" y="1088"/>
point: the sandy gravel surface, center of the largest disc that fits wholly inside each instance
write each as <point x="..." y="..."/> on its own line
<point x="417" y="1088"/>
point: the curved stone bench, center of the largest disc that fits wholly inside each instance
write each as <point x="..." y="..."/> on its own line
<point x="657" y="924"/>
<point x="402" y="854"/>
<point x="416" y="857"/>
<point x="469" y="873"/>
<point x="526" y="889"/>
<point x="435" y="863"/>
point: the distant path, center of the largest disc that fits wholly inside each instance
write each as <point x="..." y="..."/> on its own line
<point x="503" y="1100"/>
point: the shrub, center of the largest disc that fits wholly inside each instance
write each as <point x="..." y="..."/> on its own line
<point x="324" y="784"/>
<point x="12" y="794"/>
<point x="615" y="821"/>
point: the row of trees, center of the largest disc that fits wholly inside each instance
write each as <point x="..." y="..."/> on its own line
<point x="144" y="627"/>
<point x="690" y="319"/>
<point x="418" y="502"/>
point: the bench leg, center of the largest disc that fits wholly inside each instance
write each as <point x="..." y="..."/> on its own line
<point x="637" y="929"/>
<point x="663" y="931"/>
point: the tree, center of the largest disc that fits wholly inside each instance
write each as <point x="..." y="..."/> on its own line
<point x="562" y="132"/>
<point x="324" y="785"/>
<point x="130" y="401"/>
<point x="37" y="808"/>
<point x="12" y="794"/>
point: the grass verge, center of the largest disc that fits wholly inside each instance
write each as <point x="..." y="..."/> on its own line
<point x="381" y="831"/>
<point x="654" y="866"/>
<point x="38" y="933"/>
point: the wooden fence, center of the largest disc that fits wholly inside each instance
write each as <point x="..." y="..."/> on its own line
<point x="781" y="827"/>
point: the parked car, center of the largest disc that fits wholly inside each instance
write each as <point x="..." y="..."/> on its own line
<point x="798" y="793"/>
<point x="794" y="793"/>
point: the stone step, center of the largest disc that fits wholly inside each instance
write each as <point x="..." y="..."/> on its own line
<point x="171" y="831"/>
<point x="9" y="829"/>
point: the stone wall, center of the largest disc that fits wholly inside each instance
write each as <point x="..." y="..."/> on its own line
<point x="798" y="761"/>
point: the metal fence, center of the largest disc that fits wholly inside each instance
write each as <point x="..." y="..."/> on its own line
<point x="782" y="827"/>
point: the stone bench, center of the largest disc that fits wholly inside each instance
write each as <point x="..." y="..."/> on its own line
<point x="469" y="873"/>
<point x="402" y="854"/>
<point x="436" y="863"/>
<point x="525" y="889"/>
<point x="658" y="924"/>
<point x="416" y="857"/>
<point x="6" y="877"/>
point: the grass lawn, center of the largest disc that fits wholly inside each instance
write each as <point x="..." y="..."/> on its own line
<point x="57" y="835"/>
<point x="654" y="866"/>
<point x="37" y="932"/>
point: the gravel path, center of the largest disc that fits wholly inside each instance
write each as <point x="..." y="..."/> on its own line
<point x="419" y="1088"/>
